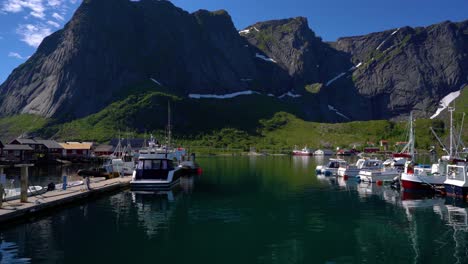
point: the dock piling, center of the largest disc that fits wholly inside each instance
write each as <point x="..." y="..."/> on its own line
<point x="24" y="181"/>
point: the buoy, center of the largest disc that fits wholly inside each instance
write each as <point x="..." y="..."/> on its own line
<point x="345" y="177"/>
<point x="379" y="183"/>
<point x="199" y="171"/>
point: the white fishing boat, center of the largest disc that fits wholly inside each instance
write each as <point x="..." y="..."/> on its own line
<point x="15" y="193"/>
<point x="332" y="167"/>
<point x="122" y="160"/>
<point x="153" y="172"/>
<point x="422" y="178"/>
<point x="302" y="152"/>
<point x="361" y="164"/>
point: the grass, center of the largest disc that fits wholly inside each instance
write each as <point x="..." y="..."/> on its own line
<point x="314" y="88"/>
<point x="220" y="126"/>
<point x="15" y="126"/>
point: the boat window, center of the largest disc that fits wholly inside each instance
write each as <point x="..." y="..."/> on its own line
<point x="140" y="165"/>
<point x="156" y="164"/>
<point x="164" y="165"/>
<point x="148" y="165"/>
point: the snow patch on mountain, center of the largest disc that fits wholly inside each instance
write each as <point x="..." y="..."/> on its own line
<point x="445" y="102"/>
<point x="290" y="94"/>
<point x="333" y="109"/>
<point x="336" y="78"/>
<point x="222" y="96"/>
<point x="156" y="81"/>
<point x="260" y="56"/>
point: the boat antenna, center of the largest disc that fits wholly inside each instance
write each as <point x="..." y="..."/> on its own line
<point x="460" y="141"/>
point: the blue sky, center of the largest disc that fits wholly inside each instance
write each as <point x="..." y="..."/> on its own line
<point x="23" y="23"/>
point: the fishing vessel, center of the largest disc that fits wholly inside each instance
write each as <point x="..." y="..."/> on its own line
<point x="361" y="164"/>
<point x="332" y="167"/>
<point x="122" y="160"/>
<point x="430" y="179"/>
<point x="302" y="152"/>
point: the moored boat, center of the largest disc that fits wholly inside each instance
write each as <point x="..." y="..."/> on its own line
<point x="423" y="178"/>
<point x="331" y="168"/>
<point x="15" y="193"/>
<point x="154" y="172"/>
<point x="302" y="152"/>
<point x="361" y="164"/>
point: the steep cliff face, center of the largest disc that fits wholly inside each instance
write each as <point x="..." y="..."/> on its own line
<point x="109" y="46"/>
<point x="79" y="69"/>
<point x="376" y="76"/>
<point x="409" y="69"/>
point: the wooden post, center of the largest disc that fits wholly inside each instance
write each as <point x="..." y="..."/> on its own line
<point x="2" y="188"/>
<point x="24" y="181"/>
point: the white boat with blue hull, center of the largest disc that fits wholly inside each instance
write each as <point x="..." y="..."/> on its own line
<point x="361" y="164"/>
<point x="154" y="172"/>
<point x="456" y="183"/>
<point x="331" y="168"/>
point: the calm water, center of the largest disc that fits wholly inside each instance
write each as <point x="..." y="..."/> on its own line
<point x="248" y="210"/>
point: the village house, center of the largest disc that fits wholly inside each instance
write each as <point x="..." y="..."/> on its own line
<point x="104" y="150"/>
<point x="77" y="149"/>
<point x="17" y="153"/>
<point x="42" y="149"/>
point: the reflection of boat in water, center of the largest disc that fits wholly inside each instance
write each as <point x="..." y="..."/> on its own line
<point x="154" y="209"/>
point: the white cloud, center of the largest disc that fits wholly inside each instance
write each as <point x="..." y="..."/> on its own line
<point x="15" y="55"/>
<point x="36" y="7"/>
<point x="53" y="23"/>
<point x="33" y="34"/>
<point x="58" y="16"/>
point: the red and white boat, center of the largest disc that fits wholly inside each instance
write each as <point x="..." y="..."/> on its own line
<point x="421" y="178"/>
<point x="425" y="178"/>
<point x="303" y="152"/>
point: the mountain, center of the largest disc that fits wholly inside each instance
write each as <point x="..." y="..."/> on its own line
<point x="79" y="70"/>
<point x="101" y="57"/>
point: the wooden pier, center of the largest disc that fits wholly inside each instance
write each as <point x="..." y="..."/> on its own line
<point x="16" y="211"/>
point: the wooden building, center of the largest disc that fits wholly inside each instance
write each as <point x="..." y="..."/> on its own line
<point x="77" y="149"/>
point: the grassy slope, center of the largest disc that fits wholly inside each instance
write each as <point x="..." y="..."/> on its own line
<point x="236" y="123"/>
<point x="12" y="127"/>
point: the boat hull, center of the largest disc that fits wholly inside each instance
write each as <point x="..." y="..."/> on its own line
<point x="153" y="185"/>
<point x="421" y="183"/>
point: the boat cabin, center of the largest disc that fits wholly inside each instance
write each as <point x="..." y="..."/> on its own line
<point x="369" y="164"/>
<point x="336" y="163"/>
<point x="153" y="168"/>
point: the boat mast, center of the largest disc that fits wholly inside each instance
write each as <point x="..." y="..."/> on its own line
<point x="169" y="133"/>
<point x="451" y="110"/>
<point x="411" y="146"/>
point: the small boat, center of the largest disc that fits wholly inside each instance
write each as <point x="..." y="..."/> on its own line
<point x="456" y="183"/>
<point x="303" y="152"/>
<point x="323" y="152"/>
<point x="15" y="193"/>
<point x="153" y="173"/>
<point x="331" y="168"/>
<point x="361" y="164"/>
<point x="155" y="170"/>
<point x="385" y="174"/>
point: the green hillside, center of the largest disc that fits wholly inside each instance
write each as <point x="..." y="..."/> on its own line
<point x="239" y="123"/>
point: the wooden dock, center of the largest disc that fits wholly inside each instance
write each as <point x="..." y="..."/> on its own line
<point x="13" y="211"/>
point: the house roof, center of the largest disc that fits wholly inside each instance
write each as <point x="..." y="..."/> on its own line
<point x="77" y="145"/>
<point x="17" y="147"/>
<point x="104" y="148"/>
<point x="50" y="144"/>
<point x="25" y="141"/>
